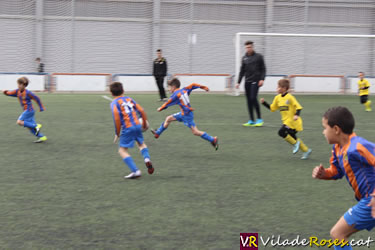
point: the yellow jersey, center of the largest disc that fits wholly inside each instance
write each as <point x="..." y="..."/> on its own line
<point x="288" y="105"/>
<point x="363" y="84"/>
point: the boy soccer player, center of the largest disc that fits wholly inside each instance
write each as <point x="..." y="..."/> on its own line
<point x="181" y="97"/>
<point x="129" y="129"/>
<point x="354" y="158"/>
<point x="290" y="111"/>
<point x="363" y="89"/>
<point x="27" y="119"/>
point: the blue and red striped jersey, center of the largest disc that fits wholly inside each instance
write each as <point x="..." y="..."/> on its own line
<point x="25" y="98"/>
<point x="181" y="97"/>
<point x="355" y="161"/>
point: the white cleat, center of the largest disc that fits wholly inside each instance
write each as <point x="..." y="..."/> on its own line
<point x="134" y="175"/>
<point x="306" y="155"/>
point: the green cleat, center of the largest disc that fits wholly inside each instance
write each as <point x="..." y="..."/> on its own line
<point x="41" y="139"/>
<point x="259" y="123"/>
<point x="250" y="123"/>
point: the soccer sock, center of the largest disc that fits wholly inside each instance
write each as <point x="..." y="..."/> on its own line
<point x="160" y="129"/>
<point x="145" y="154"/>
<point x="367" y="104"/>
<point x="290" y="139"/>
<point x="207" y="137"/>
<point x="343" y="248"/>
<point x="29" y="124"/>
<point x="131" y="164"/>
<point x="303" y="146"/>
<point x="33" y="131"/>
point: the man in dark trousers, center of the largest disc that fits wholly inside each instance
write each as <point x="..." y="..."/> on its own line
<point x="40" y="67"/>
<point x="254" y="70"/>
<point x="159" y="72"/>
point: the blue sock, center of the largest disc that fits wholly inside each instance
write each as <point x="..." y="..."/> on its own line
<point x="32" y="130"/>
<point x="131" y="164"/>
<point x="29" y="124"/>
<point x="160" y="129"/>
<point x="343" y="248"/>
<point x="145" y="153"/>
<point x="207" y="137"/>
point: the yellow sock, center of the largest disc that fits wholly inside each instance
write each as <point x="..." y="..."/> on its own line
<point x="290" y="139"/>
<point x="302" y="146"/>
<point x="368" y="104"/>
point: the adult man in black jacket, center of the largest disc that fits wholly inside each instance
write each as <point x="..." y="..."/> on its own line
<point x="159" y="72"/>
<point x="254" y="70"/>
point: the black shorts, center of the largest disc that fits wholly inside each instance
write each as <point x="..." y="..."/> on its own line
<point x="363" y="98"/>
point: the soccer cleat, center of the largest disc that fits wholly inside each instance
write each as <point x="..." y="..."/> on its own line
<point x="156" y="135"/>
<point x="259" y="123"/>
<point x="134" y="175"/>
<point x="306" y="155"/>
<point x="150" y="168"/>
<point x="41" y="139"/>
<point x="368" y="109"/>
<point x="250" y="123"/>
<point x="37" y="129"/>
<point x="296" y="147"/>
<point x="215" y="143"/>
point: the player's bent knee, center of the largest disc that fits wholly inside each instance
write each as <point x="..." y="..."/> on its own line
<point x="19" y="122"/>
<point x="282" y="132"/>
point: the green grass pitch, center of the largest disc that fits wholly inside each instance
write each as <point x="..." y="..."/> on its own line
<point x="69" y="193"/>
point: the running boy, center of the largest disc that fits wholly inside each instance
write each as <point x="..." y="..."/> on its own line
<point x="290" y="111"/>
<point x="354" y="158"/>
<point x="363" y="91"/>
<point x="181" y="97"/>
<point x="129" y="129"/>
<point x="27" y="119"/>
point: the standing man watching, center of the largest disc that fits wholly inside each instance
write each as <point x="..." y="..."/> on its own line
<point x="40" y="67"/>
<point x="159" y="72"/>
<point x="254" y="70"/>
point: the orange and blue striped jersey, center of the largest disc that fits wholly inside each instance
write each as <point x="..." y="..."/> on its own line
<point x="355" y="160"/>
<point x="125" y="113"/>
<point x="181" y="97"/>
<point x="25" y="98"/>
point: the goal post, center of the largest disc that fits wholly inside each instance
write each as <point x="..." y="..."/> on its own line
<point x="310" y="54"/>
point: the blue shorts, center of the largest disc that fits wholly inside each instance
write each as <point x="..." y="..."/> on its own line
<point x="27" y="116"/>
<point x="360" y="215"/>
<point x="188" y="119"/>
<point x="129" y="135"/>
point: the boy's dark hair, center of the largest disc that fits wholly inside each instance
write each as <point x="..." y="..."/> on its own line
<point x="158" y="50"/>
<point x="284" y="83"/>
<point x="37" y="59"/>
<point x="23" y="80"/>
<point x="341" y="117"/>
<point x="116" y="88"/>
<point x="361" y="72"/>
<point x="249" y="43"/>
<point x="174" y="82"/>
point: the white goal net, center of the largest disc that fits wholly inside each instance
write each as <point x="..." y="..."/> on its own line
<point x="319" y="54"/>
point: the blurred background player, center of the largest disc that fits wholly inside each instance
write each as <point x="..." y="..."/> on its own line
<point x="354" y="158"/>
<point x="159" y="72"/>
<point x="363" y="89"/>
<point x="254" y="70"/>
<point x="128" y="128"/>
<point x="181" y="97"/>
<point x="27" y="119"/>
<point x="290" y="111"/>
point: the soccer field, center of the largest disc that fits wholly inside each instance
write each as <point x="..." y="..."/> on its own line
<point x="69" y="193"/>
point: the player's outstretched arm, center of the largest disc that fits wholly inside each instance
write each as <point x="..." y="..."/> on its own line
<point x="115" y="139"/>
<point x="319" y="172"/>
<point x="10" y="93"/>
